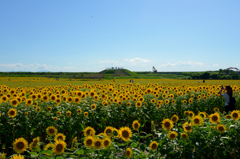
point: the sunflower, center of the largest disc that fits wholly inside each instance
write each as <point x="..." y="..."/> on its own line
<point x="141" y="99"/>
<point x="221" y="128"/>
<point x="214" y="118"/>
<point x="153" y="145"/>
<point x="125" y="133"/>
<point x="88" y="141"/>
<point x="49" y="108"/>
<point x="34" y="143"/>
<point x="97" y="144"/>
<point x="167" y="124"/>
<point x="138" y="104"/>
<point x="184" y="135"/>
<point x="77" y="100"/>
<point x="14" y="102"/>
<point x="60" y="136"/>
<point x="186" y="113"/>
<point x="59" y="147"/>
<point x="108" y="131"/>
<point x="93" y="106"/>
<point x="235" y="114"/>
<point x="49" y="145"/>
<point x="29" y="102"/>
<point x="166" y="101"/>
<point x="172" y="135"/>
<point x="216" y="109"/>
<point x="69" y="113"/>
<point x="135" y="125"/>
<point x="197" y="120"/>
<point x="79" y="110"/>
<point x="4" y="98"/>
<point x="115" y="132"/>
<point x="86" y="114"/>
<point x="20" y="145"/>
<point x="53" y="98"/>
<point x="18" y="156"/>
<point x="153" y="100"/>
<point x="174" y="118"/>
<point x="191" y="114"/>
<point x="58" y="100"/>
<point x="58" y="113"/>
<point x="51" y="131"/>
<point x="129" y="152"/>
<point x="187" y="127"/>
<point x="69" y="99"/>
<point x="89" y="131"/>
<point x="228" y="116"/>
<point x="12" y="112"/>
<point x="38" y="109"/>
<point x="128" y="104"/>
<point x="55" y="118"/>
<point x="106" y="142"/>
<point x="184" y="101"/>
<point x="202" y="114"/>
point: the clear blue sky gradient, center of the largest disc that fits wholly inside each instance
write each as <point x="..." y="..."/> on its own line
<point x="89" y="36"/>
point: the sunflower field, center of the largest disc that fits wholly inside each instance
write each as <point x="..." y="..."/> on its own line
<point x="45" y="118"/>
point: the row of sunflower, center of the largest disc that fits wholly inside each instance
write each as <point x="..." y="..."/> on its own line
<point x="29" y="111"/>
<point x="183" y="140"/>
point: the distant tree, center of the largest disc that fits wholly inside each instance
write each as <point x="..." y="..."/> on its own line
<point x="227" y="71"/>
<point x="205" y="75"/>
<point x="214" y="76"/>
<point x="235" y="75"/>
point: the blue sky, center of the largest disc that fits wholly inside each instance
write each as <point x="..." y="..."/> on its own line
<point x="89" y="36"/>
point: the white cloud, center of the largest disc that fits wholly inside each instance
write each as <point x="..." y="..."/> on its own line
<point x="182" y="63"/>
<point x="137" y="60"/>
<point x="215" y="65"/>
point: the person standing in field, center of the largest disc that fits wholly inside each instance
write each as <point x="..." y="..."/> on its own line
<point x="229" y="100"/>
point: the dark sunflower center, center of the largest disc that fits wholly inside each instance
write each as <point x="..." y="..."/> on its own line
<point x="172" y="136"/>
<point x="128" y="153"/>
<point x="12" y="112"/>
<point x="188" y="127"/>
<point x="221" y="128"/>
<point x="20" y="145"/>
<point x="88" y="132"/>
<point x="167" y="124"/>
<point x="196" y="121"/>
<point x="106" y="142"/>
<point x="136" y="125"/>
<point x="60" y="138"/>
<point x="98" y="144"/>
<point x="174" y="119"/>
<point x="51" y="131"/>
<point x="125" y="134"/>
<point x="154" y="146"/>
<point x="35" y="143"/>
<point x="235" y="115"/>
<point x="14" y="102"/>
<point x="184" y="136"/>
<point x="108" y="131"/>
<point x="59" y="147"/>
<point x="89" y="142"/>
<point x="215" y="118"/>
